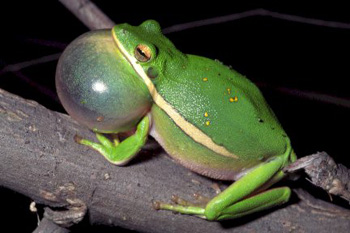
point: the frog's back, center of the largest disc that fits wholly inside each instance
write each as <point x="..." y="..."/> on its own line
<point x="226" y="107"/>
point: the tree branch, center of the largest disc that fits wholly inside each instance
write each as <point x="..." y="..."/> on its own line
<point x="40" y="160"/>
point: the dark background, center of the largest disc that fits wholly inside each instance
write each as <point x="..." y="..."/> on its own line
<point x="272" y="53"/>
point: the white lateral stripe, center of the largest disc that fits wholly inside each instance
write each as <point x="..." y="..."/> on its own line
<point x="191" y="130"/>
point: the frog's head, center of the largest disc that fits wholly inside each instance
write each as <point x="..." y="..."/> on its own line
<point x="105" y="78"/>
<point x="146" y="48"/>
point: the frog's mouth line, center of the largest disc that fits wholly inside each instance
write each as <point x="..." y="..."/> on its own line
<point x="190" y="129"/>
<point x="137" y="67"/>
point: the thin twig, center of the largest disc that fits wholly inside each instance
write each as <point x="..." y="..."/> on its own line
<point x="25" y="64"/>
<point x="42" y="89"/>
<point x="89" y="14"/>
<point x="253" y="13"/>
<point x="311" y="95"/>
<point x="320" y="97"/>
<point x="46" y="43"/>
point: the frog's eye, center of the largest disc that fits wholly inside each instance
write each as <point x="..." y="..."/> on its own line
<point x="143" y="53"/>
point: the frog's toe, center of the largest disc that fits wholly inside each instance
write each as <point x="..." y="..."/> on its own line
<point x="77" y="138"/>
<point x="180" y="201"/>
<point x="216" y="188"/>
<point x="160" y="205"/>
<point x="177" y="208"/>
<point x="200" y="199"/>
<point x="156" y="205"/>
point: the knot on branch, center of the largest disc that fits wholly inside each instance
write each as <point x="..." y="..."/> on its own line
<point x="68" y="209"/>
<point x="325" y="173"/>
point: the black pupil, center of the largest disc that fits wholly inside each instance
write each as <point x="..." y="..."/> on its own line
<point x="141" y="53"/>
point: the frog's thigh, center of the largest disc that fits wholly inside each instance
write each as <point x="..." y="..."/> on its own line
<point x="243" y="188"/>
<point x="261" y="201"/>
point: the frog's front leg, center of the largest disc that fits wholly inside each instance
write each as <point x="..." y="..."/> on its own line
<point x="243" y="196"/>
<point x="120" y="153"/>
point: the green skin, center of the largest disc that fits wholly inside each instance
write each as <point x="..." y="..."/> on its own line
<point x="217" y="102"/>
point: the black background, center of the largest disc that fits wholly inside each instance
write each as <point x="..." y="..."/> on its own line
<point x="272" y="53"/>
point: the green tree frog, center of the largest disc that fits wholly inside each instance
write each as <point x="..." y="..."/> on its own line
<point x="206" y="116"/>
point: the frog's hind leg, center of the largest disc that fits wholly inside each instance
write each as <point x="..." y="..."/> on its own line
<point x="242" y="190"/>
<point x="243" y="197"/>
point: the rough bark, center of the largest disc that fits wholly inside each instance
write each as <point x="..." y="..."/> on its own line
<point x="40" y="159"/>
<point x="324" y="173"/>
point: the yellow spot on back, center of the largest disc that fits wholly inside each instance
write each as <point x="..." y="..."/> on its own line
<point x="207" y="123"/>
<point x="233" y="99"/>
<point x="228" y="90"/>
<point x="206" y="114"/>
<point x="205" y="79"/>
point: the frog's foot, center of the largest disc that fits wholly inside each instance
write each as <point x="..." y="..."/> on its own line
<point x="116" y="152"/>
